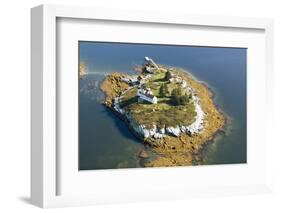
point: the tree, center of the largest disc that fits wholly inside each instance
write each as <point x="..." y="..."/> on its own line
<point x="178" y="98"/>
<point x="166" y="89"/>
<point x="184" y="99"/>
<point x="163" y="91"/>
<point x="175" y="96"/>
<point x="168" y="75"/>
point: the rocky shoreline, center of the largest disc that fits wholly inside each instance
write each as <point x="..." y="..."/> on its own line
<point x="178" y="145"/>
<point x="158" y="133"/>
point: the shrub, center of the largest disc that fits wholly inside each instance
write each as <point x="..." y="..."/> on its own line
<point x="178" y="98"/>
<point x="168" y="75"/>
<point x="163" y="91"/>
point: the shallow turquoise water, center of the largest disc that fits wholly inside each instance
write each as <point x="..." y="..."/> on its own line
<point x="104" y="140"/>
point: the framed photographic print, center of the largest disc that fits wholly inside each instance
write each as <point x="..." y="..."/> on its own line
<point x="134" y="105"/>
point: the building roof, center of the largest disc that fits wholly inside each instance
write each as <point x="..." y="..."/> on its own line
<point x="149" y="96"/>
<point x="146" y="92"/>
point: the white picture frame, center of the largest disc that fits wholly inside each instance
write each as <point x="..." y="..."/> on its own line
<point x="44" y="149"/>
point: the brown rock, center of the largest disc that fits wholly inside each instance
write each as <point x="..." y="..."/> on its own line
<point x="143" y="154"/>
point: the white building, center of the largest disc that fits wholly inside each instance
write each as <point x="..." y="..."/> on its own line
<point x="146" y="95"/>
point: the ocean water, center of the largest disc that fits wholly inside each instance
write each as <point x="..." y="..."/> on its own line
<point x="104" y="140"/>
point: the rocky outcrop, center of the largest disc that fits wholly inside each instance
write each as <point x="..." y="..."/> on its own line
<point x="143" y="154"/>
<point x="82" y="70"/>
<point x="144" y="132"/>
<point x="176" y="131"/>
<point x="158" y="133"/>
<point x="112" y="86"/>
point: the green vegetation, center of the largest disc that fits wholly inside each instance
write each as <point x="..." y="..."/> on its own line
<point x="130" y="97"/>
<point x="163" y="91"/>
<point x="157" y="76"/>
<point x="162" y="114"/>
<point x="178" y="98"/>
<point x="173" y="107"/>
<point x="168" y="75"/>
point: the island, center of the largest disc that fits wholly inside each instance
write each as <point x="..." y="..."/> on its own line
<point x="166" y="108"/>
<point x="82" y="70"/>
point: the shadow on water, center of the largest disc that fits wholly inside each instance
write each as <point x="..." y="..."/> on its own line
<point x="121" y="126"/>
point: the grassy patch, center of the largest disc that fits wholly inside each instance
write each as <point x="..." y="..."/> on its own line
<point x="164" y="113"/>
<point x="128" y="102"/>
<point x="130" y="97"/>
<point x="129" y="94"/>
<point x="159" y="76"/>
